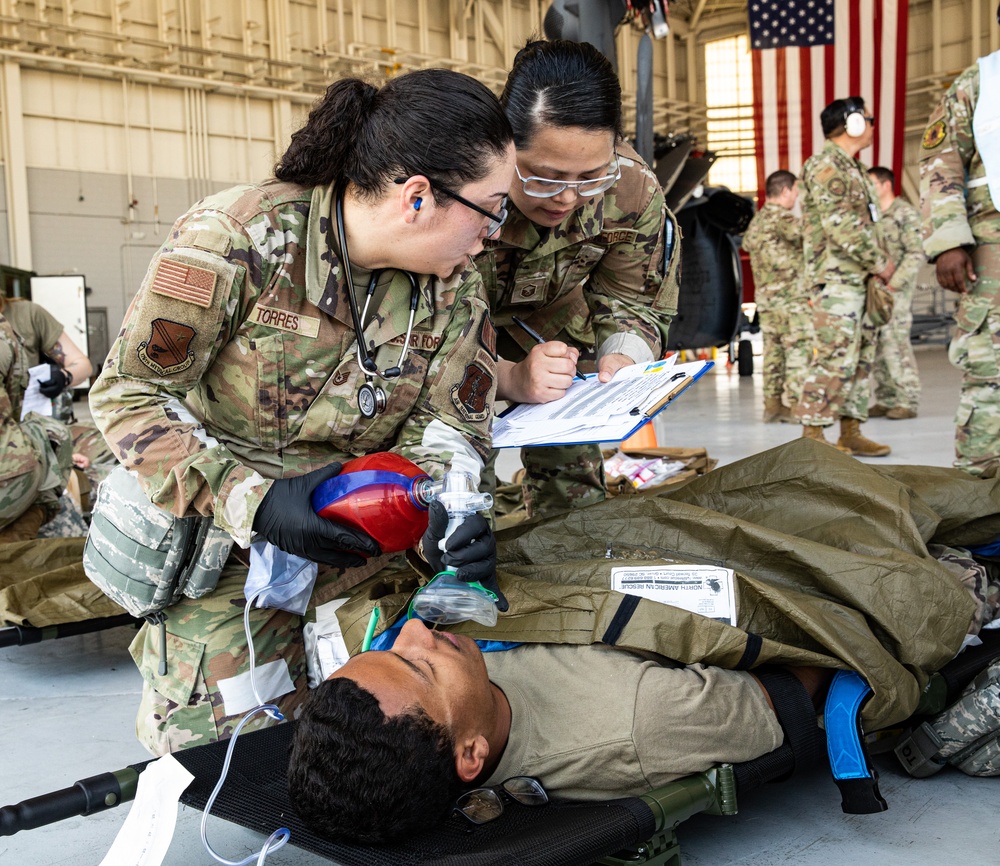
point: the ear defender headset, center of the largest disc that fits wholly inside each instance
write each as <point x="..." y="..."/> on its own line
<point x="854" y="119"/>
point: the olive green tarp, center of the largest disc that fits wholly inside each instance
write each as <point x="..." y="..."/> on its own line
<point x="830" y="556"/>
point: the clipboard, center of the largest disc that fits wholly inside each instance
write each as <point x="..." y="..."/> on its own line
<point x="595" y="412"/>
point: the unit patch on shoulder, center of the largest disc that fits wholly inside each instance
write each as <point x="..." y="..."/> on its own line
<point x="934" y="135"/>
<point x="472" y="395"/>
<point x="824" y="173"/>
<point x="837" y="187"/>
<point x="488" y="337"/>
<point x="184" y="282"/>
<point x="166" y="350"/>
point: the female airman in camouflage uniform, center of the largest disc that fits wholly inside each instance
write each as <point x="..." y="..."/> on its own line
<point x="588" y="257"/>
<point x="235" y="385"/>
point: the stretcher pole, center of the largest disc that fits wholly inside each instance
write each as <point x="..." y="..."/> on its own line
<point x="22" y="635"/>
<point x="86" y="797"/>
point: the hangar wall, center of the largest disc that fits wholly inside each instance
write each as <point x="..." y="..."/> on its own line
<point x="116" y="115"/>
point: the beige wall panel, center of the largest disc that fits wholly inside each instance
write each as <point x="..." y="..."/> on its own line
<point x="70" y="96"/>
<point x="62" y="144"/>
<point x="76" y="123"/>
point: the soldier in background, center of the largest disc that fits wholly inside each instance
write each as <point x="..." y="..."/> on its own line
<point x="896" y="378"/>
<point x="774" y="241"/>
<point x="844" y="246"/>
<point x="588" y="258"/>
<point x="959" y="192"/>
<point x="35" y="453"/>
<point x="44" y="337"/>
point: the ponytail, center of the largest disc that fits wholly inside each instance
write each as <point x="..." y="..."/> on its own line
<point x="321" y="149"/>
<point x="434" y="122"/>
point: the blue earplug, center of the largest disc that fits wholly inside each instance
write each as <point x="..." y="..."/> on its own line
<point x="417" y="203"/>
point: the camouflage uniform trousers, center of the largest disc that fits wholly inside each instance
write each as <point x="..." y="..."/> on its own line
<point x="68" y="523"/>
<point x="975" y="350"/>
<point x="41" y="477"/>
<point x="561" y="477"/>
<point x="982" y="579"/>
<point x="787" y="328"/>
<point x="895" y="375"/>
<point x="556" y="478"/>
<point x="206" y="647"/>
<point x="836" y="384"/>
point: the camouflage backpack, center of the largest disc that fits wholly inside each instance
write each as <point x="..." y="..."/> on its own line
<point x="144" y="558"/>
<point x="966" y="735"/>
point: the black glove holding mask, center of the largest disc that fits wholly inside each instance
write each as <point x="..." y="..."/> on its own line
<point x="471" y="550"/>
<point x="58" y="381"/>
<point x="286" y="519"/>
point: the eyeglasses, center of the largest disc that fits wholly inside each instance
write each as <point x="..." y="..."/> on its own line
<point x="496" y="220"/>
<point x="483" y="805"/>
<point x="541" y="187"/>
<point x="870" y="119"/>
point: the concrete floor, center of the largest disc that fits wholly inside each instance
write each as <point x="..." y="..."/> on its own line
<point x="67" y="708"/>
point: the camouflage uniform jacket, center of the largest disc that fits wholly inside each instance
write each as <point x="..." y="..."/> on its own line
<point x="237" y="361"/>
<point x="955" y="201"/>
<point x="774" y="241"/>
<point x="34" y="452"/>
<point x="901" y="225"/>
<point x="38" y="329"/>
<point x="13" y="372"/>
<point x="621" y="249"/>
<point x="843" y="243"/>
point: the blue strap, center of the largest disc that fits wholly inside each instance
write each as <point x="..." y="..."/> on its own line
<point x="852" y="770"/>
<point x="990" y="549"/>
<point x="385" y="640"/>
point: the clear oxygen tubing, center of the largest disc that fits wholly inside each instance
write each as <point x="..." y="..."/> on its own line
<point x="279" y="837"/>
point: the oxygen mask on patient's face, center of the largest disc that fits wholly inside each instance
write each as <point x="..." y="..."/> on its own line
<point x="447" y="599"/>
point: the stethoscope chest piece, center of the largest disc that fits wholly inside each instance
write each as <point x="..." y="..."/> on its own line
<point x="371" y="400"/>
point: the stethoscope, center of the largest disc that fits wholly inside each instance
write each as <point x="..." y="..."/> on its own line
<point x="371" y="397"/>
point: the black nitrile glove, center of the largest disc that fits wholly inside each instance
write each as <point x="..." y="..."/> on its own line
<point x="286" y="518"/>
<point x="57" y="382"/>
<point x="471" y="550"/>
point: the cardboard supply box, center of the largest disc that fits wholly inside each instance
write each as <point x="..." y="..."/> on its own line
<point x="696" y="462"/>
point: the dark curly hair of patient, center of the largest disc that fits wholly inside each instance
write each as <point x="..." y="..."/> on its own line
<point x="355" y="775"/>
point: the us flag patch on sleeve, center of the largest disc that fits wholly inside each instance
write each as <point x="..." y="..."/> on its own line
<point x="184" y="282"/>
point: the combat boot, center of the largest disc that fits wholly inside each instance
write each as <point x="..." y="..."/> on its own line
<point x="899" y="413"/>
<point x="858" y="445"/>
<point x="877" y="411"/>
<point x="774" y="410"/>
<point x="810" y="432"/>
<point x="789" y="417"/>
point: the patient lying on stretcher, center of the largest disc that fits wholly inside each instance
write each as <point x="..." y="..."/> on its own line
<point x="389" y="740"/>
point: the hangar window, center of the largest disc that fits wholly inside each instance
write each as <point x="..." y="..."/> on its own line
<point x="729" y="99"/>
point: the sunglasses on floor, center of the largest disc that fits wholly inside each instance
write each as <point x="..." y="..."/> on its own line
<point x="482" y="805"/>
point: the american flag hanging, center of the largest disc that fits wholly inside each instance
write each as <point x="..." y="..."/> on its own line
<point x="806" y="53"/>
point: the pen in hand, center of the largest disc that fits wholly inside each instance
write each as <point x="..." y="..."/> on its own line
<point x="540" y="340"/>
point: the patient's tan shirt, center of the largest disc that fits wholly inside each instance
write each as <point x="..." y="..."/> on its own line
<point x="593" y="722"/>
